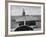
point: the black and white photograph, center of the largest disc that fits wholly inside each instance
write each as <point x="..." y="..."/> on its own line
<point x="24" y="18"/>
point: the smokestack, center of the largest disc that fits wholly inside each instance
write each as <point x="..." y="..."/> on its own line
<point x="23" y="12"/>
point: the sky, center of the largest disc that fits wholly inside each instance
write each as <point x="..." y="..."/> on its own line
<point x="17" y="10"/>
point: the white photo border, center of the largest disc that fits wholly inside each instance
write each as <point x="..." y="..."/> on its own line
<point x="24" y="32"/>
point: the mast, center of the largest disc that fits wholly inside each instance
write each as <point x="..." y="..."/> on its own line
<point x="24" y="15"/>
